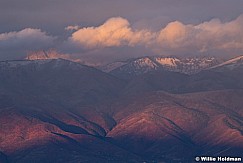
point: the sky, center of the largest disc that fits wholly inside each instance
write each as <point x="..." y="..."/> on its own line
<point x="100" y="31"/>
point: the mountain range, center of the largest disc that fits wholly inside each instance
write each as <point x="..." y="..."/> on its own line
<point x="150" y="109"/>
<point x="147" y="64"/>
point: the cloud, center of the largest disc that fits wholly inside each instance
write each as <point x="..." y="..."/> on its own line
<point x="118" y="37"/>
<point x="114" y="32"/>
<point x="211" y="36"/>
<point x="207" y="37"/>
<point x="72" y="28"/>
<point x="27" y="39"/>
<point x="218" y="35"/>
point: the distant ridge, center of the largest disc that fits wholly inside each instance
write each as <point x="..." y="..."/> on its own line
<point x="147" y="64"/>
<point x="232" y="63"/>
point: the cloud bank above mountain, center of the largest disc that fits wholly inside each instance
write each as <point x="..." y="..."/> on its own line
<point x="114" y="32"/>
<point x="211" y="36"/>
<point x="24" y="40"/>
<point x="117" y="36"/>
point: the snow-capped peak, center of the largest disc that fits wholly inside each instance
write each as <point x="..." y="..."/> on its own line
<point x="145" y="63"/>
<point x="43" y="54"/>
<point x="167" y="61"/>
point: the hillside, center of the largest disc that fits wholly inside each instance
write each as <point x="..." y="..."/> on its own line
<point x="57" y="110"/>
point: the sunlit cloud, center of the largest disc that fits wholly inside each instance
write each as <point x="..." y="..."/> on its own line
<point x="114" y="32"/>
<point x="208" y="36"/>
<point x="117" y="36"/>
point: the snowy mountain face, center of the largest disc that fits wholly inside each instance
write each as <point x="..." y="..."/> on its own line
<point x="42" y="54"/>
<point x="138" y="66"/>
<point x="186" y="65"/>
<point x="231" y="64"/>
<point x="148" y="64"/>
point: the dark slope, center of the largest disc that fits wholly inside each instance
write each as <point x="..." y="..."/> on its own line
<point x="61" y="111"/>
<point x="43" y="102"/>
<point x="58" y="80"/>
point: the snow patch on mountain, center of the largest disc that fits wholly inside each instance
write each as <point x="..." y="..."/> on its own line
<point x="147" y="64"/>
<point x="45" y="54"/>
<point x="167" y="61"/>
<point x="231" y="64"/>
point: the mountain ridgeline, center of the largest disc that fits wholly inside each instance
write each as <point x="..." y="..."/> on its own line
<point x="150" y="109"/>
<point x="178" y="75"/>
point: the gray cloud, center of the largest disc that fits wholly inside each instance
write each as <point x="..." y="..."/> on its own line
<point x="19" y="42"/>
